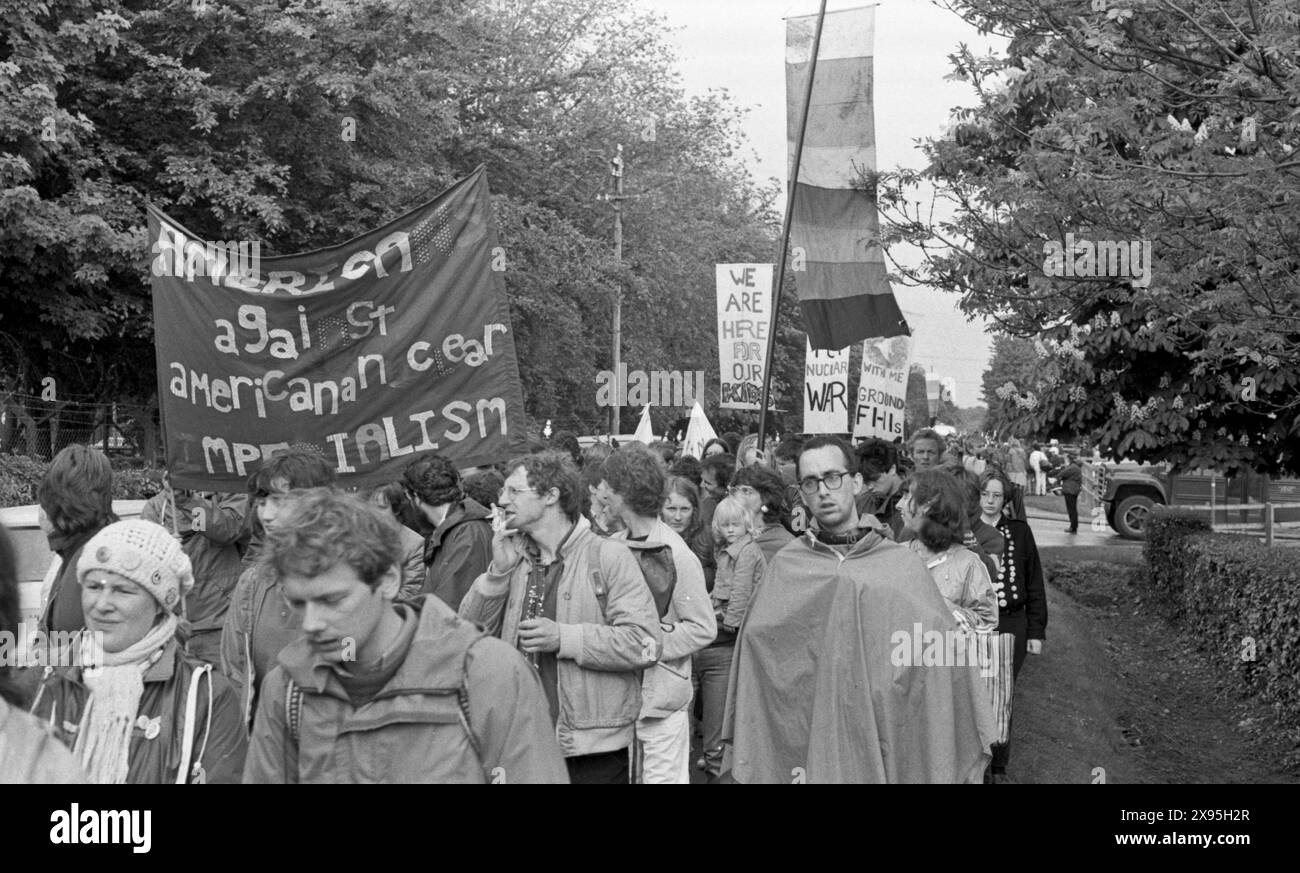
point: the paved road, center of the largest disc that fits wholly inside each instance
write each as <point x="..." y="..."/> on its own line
<point x="1049" y="531"/>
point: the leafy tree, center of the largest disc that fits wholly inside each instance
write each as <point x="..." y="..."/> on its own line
<point x="967" y="419"/>
<point x="1012" y="364"/>
<point x="1169" y="123"/>
<point x="304" y="124"/>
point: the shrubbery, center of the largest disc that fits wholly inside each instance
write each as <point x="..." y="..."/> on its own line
<point x="1238" y="597"/>
<point x="20" y="476"/>
<point x="1165" y="559"/>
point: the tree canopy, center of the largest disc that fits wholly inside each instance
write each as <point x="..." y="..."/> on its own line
<point x="303" y="124"/>
<point x="1170" y="125"/>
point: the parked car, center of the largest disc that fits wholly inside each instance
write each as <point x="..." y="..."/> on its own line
<point x="37" y="565"/>
<point x="1129" y="491"/>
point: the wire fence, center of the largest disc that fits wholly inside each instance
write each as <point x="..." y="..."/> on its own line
<point x="38" y="428"/>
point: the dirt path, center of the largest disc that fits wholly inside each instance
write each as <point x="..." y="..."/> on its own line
<point x="1120" y="691"/>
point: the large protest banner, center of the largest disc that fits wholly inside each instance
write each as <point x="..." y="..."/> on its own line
<point x="882" y="389"/>
<point x="371" y="352"/>
<point x="744" y="319"/>
<point x="826" y="391"/>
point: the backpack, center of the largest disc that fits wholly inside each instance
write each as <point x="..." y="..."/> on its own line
<point x="293" y="705"/>
<point x="657" y="565"/>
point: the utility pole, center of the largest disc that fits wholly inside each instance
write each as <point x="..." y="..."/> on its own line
<point x="617" y="198"/>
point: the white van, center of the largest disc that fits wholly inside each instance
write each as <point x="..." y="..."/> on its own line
<point x="37" y="565"/>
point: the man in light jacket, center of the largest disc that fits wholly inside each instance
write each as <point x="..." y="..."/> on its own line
<point x="577" y="605"/>
<point x="634" y="480"/>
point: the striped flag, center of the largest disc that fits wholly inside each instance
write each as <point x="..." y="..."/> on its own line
<point x="844" y="293"/>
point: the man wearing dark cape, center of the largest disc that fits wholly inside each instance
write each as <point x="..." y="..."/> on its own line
<point x="826" y="682"/>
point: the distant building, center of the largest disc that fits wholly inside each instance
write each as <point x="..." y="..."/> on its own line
<point x="939" y="389"/>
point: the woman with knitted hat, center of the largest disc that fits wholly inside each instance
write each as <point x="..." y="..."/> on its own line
<point x="141" y="710"/>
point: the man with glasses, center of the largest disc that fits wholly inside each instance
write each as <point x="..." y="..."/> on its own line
<point x="577" y="606"/>
<point x="827" y="685"/>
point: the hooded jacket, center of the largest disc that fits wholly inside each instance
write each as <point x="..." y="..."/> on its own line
<point x="413" y="729"/>
<point x="603" y="647"/>
<point x="688" y="626"/>
<point x="457" y="552"/>
<point x="220" y="740"/>
<point x="823" y="688"/>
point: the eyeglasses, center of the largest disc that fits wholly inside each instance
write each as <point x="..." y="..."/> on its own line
<point x="741" y="489"/>
<point x="810" y="484"/>
<point x="513" y="492"/>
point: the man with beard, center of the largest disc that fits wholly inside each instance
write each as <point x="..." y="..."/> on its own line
<point x="824" y="687"/>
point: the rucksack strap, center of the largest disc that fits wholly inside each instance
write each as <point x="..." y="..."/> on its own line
<point x="598" y="584"/>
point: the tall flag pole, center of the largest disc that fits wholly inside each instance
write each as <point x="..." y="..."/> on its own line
<point x="785" y="229"/>
<point x="831" y="215"/>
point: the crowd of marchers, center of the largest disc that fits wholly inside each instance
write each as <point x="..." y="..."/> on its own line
<point x="614" y="615"/>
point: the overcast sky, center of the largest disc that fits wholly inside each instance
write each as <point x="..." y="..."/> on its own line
<point x="740" y="45"/>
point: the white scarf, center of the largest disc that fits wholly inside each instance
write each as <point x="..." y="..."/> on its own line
<point x="103" y="739"/>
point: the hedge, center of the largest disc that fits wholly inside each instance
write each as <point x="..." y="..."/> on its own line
<point x="1239" y="598"/>
<point x="20" y="476"/>
<point x="1166" y="561"/>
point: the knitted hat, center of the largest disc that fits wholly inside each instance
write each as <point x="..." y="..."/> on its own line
<point x="144" y="552"/>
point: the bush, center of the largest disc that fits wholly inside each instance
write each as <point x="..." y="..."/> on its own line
<point x="1242" y="600"/>
<point x="1237" y="597"/>
<point x="1163" y="553"/>
<point x="20" y="476"/>
<point x="136" y="484"/>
